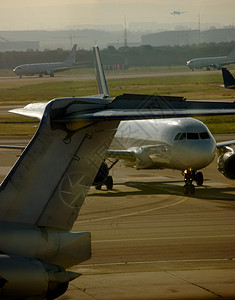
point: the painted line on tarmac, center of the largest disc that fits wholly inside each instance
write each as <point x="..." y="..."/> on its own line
<point x="135" y="213"/>
<point x="165" y="238"/>
<point x="159" y="261"/>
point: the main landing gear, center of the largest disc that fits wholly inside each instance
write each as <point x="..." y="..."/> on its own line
<point x="103" y="177"/>
<point x="190" y="176"/>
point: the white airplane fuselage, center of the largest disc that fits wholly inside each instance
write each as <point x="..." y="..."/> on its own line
<point x="47" y="68"/>
<point x="40" y="68"/>
<point x="180" y="144"/>
<point x="215" y="62"/>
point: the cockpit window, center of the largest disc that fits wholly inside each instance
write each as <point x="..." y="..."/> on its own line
<point x="204" y="135"/>
<point x="177" y="136"/>
<point x="192" y="136"/>
<point x="183" y="136"/>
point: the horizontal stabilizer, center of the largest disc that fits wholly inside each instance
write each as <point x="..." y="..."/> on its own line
<point x="34" y="110"/>
<point x="109" y="115"/>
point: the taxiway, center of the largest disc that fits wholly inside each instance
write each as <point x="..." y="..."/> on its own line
<point x="149" y="241"/>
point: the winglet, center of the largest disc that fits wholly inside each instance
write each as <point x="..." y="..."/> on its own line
<point x="229" y="80"/>
<point x="100" y="76"/>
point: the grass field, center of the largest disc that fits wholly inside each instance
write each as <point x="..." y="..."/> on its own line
<point x="191" y="85"/>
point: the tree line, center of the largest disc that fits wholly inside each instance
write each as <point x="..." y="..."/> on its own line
<point x="141" y="56"/>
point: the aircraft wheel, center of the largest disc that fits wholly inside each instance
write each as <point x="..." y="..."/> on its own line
<point x="189" y="188"/>
<point x="192" y="189"/>
<point x="98" y="187"/>
<point x="186" y="189"/>
<point x="109" y="183"/>
<point x="199" y="178"/>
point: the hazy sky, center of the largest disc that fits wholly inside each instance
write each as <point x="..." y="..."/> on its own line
<point x="57" y="14"/>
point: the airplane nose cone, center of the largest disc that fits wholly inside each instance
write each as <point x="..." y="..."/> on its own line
<point x="15" y="71"/>
<point x="198" y="155"/>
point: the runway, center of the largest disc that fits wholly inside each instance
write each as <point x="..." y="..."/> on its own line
<point x="27" y="80"/>
<point x="149" y="241"/>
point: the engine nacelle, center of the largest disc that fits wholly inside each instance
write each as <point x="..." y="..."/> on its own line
<point x="226" y="164"/>
<point x="143" y="161"/>
<point x="23" y="278"/>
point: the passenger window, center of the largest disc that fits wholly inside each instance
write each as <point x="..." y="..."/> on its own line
<point x="183" y="136"/>
<point x="204" y="135"/>
<point x="177" y="136"/>
<point x="192" y="136"/>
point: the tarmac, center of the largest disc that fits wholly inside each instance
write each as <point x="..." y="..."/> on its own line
<point x="149" y="241"/>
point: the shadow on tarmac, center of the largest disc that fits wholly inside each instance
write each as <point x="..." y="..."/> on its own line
<point x="169" y="188"/>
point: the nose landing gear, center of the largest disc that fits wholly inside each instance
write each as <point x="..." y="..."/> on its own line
<point x="190" y="176"/>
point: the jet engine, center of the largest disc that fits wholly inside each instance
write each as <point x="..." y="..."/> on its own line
<point x="49" y="72"/>
<point x="23" y="278"/>
<point x="226" y="163"/>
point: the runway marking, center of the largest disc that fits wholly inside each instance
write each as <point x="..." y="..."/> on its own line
<point x="158" y="261"/>
<point x="165" y="238"/>
<point x="134" y="213"/>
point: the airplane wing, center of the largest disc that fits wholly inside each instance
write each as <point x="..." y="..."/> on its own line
<point x="225" y="144"/>
<point x="128" y="154"/>
<point x="140" y="156"/>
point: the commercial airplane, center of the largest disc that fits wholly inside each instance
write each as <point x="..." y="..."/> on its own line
<point x="211" y="62"/>
<point x="184" y="144"/>
<point x="229" y="80"/>
<point x="47" y="68"/>
<point x="177" y="12"/>
<point x="44" y="191"/>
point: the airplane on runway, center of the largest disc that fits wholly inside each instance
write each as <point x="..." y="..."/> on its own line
<point x="42" y="195"/>
<point x="229" y="80"/>
<point x="211" y="62"/>
<point x="47" y="68"/>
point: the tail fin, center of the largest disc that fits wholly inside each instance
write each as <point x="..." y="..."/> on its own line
<point x="229" y="80"/>
<point x="49" y="182"/>
<point x="100" y="76"/>
<point x="72" y="55"/>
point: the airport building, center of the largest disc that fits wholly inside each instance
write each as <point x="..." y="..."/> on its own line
<point x="188" y="37"/>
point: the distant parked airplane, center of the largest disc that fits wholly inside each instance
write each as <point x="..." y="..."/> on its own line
<point x="177" y="12"/>
<point x="47" y="68"/>
<point x="212" y="62"/>
<point x="229" y="80"/>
